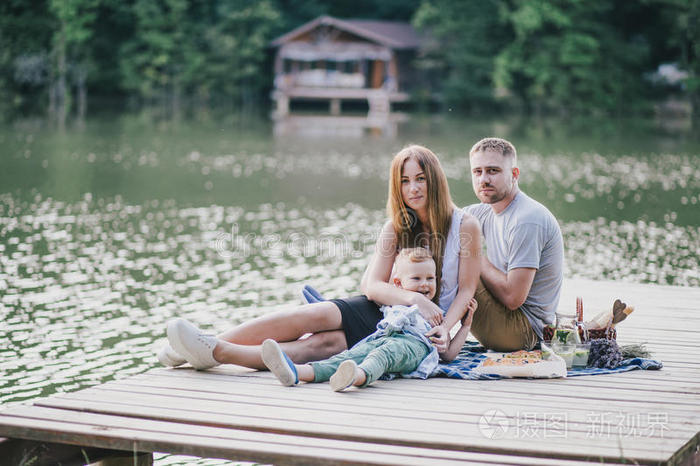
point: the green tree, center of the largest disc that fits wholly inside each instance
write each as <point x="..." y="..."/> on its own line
<point x="25" y="38"/>
<point x="583" y="56"/>
<point x="152" y="59"/>
<point x="464" y="39"/>
<point x="694" y="59"/>
<point x="238" y="49"/>
<point x="74" y="29"/>
<point x="570" y="55"/>
<point x="564" y="56"/>
<point x="198" y="48"/>
<point x="114" y="25"/>
<point x="687" y="41"/>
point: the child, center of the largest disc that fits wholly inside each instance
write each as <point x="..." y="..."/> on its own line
<point x="398" y="346"/>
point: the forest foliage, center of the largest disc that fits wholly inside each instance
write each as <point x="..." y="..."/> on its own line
<point x="535" y="56"/>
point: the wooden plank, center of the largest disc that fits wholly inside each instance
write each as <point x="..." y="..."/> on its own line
<point x="240" y="414"/>
<point x="349" y="426"/>
<point x="612" y="390"/>
<point x="633" y="379"/>
<point x="383" y="395"/>
<point x="395" y="397"/>
<point x="229" y="441"/>
<point x="627" y="380"/>
<point x="688" y="455"/>
<point x="191" y="444"/>
<point x="515" y="387"/>
<point x="670" y="375"/>
<point x="578" y="418"/>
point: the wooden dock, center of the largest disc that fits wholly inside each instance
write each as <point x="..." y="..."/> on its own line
<point x="638" y="417"/>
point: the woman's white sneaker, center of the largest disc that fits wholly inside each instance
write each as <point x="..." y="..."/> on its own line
<point x="192" y="344"/>
<point x="167" y="356"/>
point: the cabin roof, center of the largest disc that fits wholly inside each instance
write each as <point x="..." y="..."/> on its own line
<point x="393" y="34"/>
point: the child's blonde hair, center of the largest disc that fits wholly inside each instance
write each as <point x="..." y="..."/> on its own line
<point x="408" y="255"/>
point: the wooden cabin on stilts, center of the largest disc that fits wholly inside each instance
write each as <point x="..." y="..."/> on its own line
<point x="336" y="60"/>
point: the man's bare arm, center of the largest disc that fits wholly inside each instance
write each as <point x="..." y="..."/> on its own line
<point x="509" y="288"/>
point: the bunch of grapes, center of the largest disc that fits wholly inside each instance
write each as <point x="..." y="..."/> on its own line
<point x="604" y="353"/>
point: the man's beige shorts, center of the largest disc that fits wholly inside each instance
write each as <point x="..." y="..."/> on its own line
<point x="499" y="328"/>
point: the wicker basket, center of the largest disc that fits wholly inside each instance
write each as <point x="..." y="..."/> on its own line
<point x="608" y="333"/>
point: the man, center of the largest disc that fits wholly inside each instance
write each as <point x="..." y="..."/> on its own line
<point x="521" y="275"/>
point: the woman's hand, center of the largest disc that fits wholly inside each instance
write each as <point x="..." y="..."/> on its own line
<point x="430" y="311"/>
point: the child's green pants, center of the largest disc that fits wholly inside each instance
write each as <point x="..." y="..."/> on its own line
<point x="397" y="353"/>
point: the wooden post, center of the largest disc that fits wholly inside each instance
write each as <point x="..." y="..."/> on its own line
<point x="379" y="104"/>
<point x="279" y="64"/>
<point x="335" y="106"/>
<point x="393" y="73"/>
<point x="377" y="74"/>
<point x="281" y="103"/>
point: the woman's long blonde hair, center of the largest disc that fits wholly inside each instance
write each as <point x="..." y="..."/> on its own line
<point x="410" y="232"/>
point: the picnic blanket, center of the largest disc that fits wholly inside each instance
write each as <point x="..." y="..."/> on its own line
<point x="467" y="365"/>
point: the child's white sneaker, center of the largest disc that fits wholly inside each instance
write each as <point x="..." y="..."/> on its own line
<point x="167" y="356"/>
<point x="279" y="363"/>
<point x="192" y="344"/>
<point x="344" y="376"/>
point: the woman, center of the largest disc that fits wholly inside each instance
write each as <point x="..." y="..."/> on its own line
<point x="421" y="213"/>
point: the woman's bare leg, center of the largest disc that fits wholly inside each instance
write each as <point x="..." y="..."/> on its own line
<point x="286" y="325"/>
<point x="241" y="344"/>
<point x="318" y="346"/>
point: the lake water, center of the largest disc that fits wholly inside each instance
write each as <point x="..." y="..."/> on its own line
<point x="109" y="231"/>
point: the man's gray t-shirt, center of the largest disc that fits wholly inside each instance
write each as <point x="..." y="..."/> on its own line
<point x="526" y="235"/>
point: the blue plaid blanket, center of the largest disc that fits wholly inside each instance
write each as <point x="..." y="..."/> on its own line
<point x="472" y="356"/>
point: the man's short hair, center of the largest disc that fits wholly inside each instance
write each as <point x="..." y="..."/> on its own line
<point x="502" y="146"/>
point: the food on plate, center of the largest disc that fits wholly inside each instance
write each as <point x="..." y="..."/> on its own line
<point x="518" y="358"/>
<point x="536" y="354"/>
<point x="531" y="364"/>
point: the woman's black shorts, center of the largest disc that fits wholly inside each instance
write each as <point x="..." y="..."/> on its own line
<point x="360" y="317"/>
